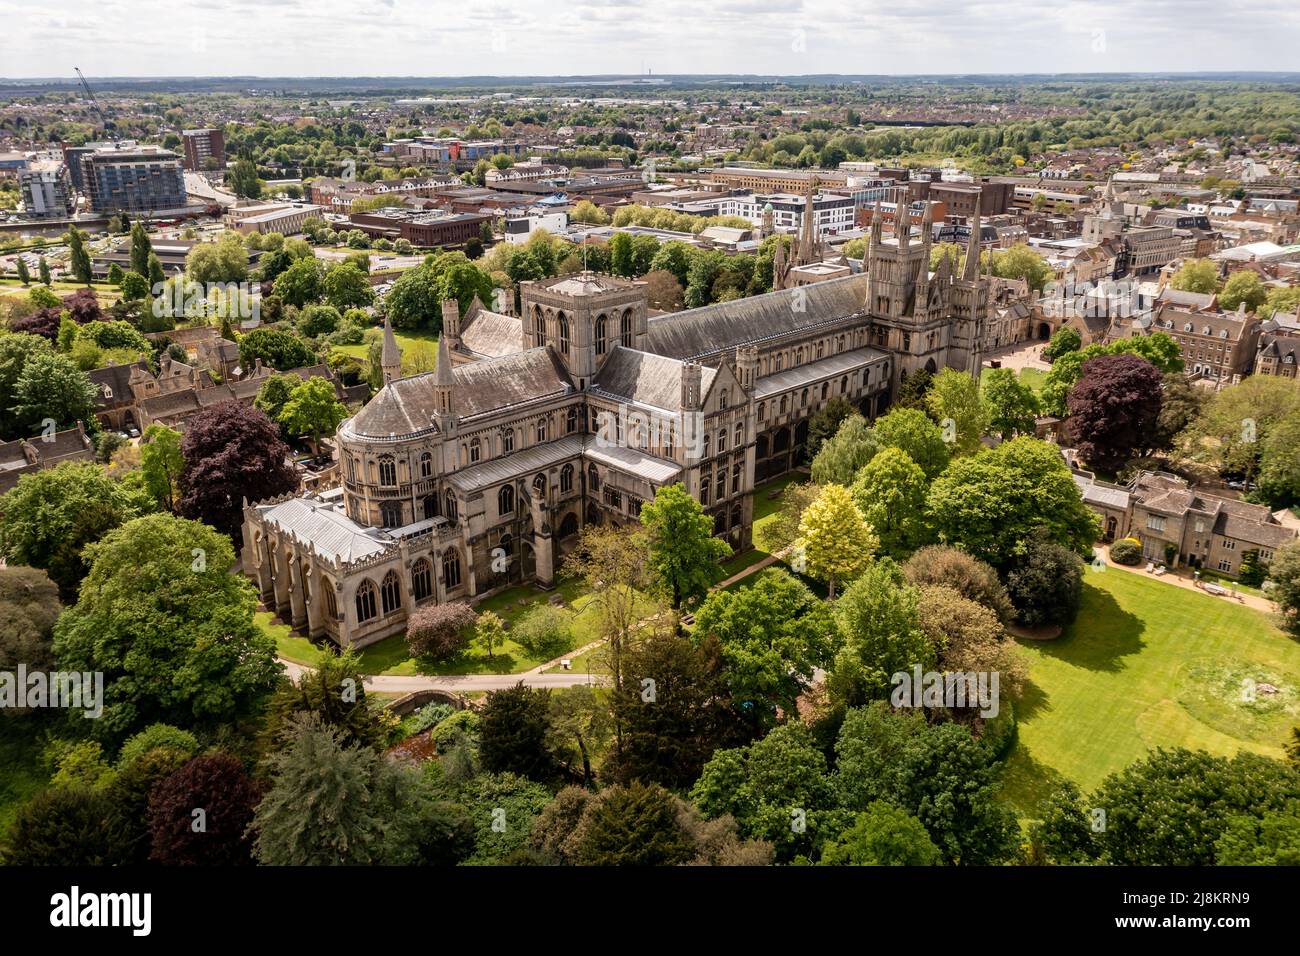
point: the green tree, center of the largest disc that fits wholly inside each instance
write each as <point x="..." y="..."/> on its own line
<point x="327" y="802"/>
<point x="17" y="350"/>
<point x="1284" y="572"/>
<point x="1196" y="275"/>
<point x="169" y="626"/>
<point x="835" y="544"/>
<point x="43" y="270"/>
<point x="954" y="400"/>
<point x="683" y="554"/>
<point x="277" y="348"/>
<point x="78" y="257"/>
<point x="52" y="393"/>
<point x="141" y="249"/>
<point x="890" y="492"/>
<point x="345" y="286"/>
<point x="24" y="276"/>
<point x="1244" y="287"/>
<point x="302" y="283"/>
<point x="489" y="630"/>
<point x="636" y="825"/>
<point x="773" y="635"/>
<point x="880" y="622"/>
<point x="50" y="518"/>
<point x="162" y="463"/>
<point x="988" y="504"/>
<point x="243" y="181"/>
<point x="1064" y="340"/>
<point x="824" y="423"/>
<point x="1013" y="405"/>
<point x="843" y="455"/>
<point x="882" y="835"/>
<point x="313" y="410"/>
<point x="915" y="434"/>
<point x="225" y="260"/>
<point x="514" y="729"/>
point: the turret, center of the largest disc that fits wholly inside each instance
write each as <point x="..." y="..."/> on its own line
<point x="451" y="322"/>
<point x="444" y="389"/>
<point x="747" y="366"/>
<point x="971" y="271"/>
<point x="391" y="357"/>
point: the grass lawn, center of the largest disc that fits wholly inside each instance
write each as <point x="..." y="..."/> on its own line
<point x="290" y="646"/>
<point x="1149" y="665"/>
<point x="419" y="350"/>
<point x="1032" y="377"/>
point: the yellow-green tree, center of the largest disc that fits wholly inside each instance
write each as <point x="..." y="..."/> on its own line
<point x="835" y="543"/>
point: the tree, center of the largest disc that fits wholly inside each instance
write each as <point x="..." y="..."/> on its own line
<point x="824" y="423"/>
<point x="913" y="432"/>
<point x="767" y="786"/>
<point x="345" y="287"/>
<point x="335" y="692"/>
<point x="683" y="554"/>
<point x="78" y="257"/>
<point x="1045" y="582"/>
<point x="954" y="400"/>
<point x="24" y="276"/>
<point x="513" y="732"/>
<point x="302" y="283"/>
<point x="17" y="349"/>
<point x="843" y="455"/>
<point x="970" y="577"/>
<point x="1234" y="429"/>
<point x="231" y="453"/>
<point x="890" y="493"/>
<point x="1013" y="406"/>
<point x="503" y="807"/>
<point x="613" y="564"/>
<point x="1196" y="275"/>
<point x="1064" y="833"/>
<point x="1181" y="404"/>
<point x="1284" y="572"/>
<point x="169" y="626"/>
<point x="326" y="804"/>
<point x="835" y="544"/>
<point x="225" y="260"/>
<point x="141" y="248"/>
<point x="440" y="631"/>
<point x="913" y="388"/>
<point x="544" y="630"/>
<point x="316" y="320"/>
<point x="277" y="348"/>
<point x="313" y="410"/>
<point x="580" y="729"/>
<point x="43" y="270"/>
<point x="936" y="772"/>
<point x="243" y="181"/>
<point x="1279" y="473"/>
<point x="882" y="835"/>
<point x="1114" y="408"/>
<point x="29" y="606"/>
<point x="162" y="464"/>
<point x="988" y="504"/>
<point x="636" y="825"/>
<point x="663" y="292"/>
<point x="1022" y="262"/>
<point x="773" y="634"/>
<point x="51" y="393"/>
<point x="671" y="711"/>
<point x="1272" y="839"/>
<point x="51" y="517"/>
<point x="1243" y="288"/>
<point x="782" y="529"/>
<point x="489" y="630"/>
<point x="879" y="619"/>
<point x="1064" y="340"/>
<point x="68" y="826"/>
<point x="217" y="785"/>
<point x="969" y="638"/>
<point x="1172" y="807"/>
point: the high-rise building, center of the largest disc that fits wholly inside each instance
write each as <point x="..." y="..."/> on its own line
<point x="204" y="149"/>
<point x="144" y="179"/>
<point x="47" y="191"/>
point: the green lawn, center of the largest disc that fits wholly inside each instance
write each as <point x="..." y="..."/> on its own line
<point x="1032" y="377"/>
<point x="1148" y="665"/>
<point x="419" y="350"/>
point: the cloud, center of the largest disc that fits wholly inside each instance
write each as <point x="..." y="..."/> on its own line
<point x="541" y="37"/>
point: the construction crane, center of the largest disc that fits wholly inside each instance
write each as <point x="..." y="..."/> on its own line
<point x="90" y="95"/>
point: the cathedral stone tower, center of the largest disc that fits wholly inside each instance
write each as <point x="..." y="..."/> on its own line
<point x="584" y="317"/>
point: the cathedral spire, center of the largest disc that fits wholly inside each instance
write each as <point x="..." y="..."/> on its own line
<point x="971" y="270"/>
<point x="808" y="228"/>
<point x="778" y="265"/>
<point x="444" y="385"/>
<point x="903" y="223"/>
<point x="390" y="360"/>
<point x="923" y="278"/>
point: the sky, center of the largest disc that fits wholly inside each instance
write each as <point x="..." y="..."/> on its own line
<point x="44" y="38"/>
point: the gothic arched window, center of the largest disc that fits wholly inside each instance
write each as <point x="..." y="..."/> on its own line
<point x="625" y="329"/>
<point x="506" y="500"/>
<point x="387" y="471"/>
<point x="365" y="601"/>
<point x="421" y="579"/>
<point x="600" y="335"/>
<point x="475" y="450"/>
<point x="390" y="514"/>
<point x="451" y="505"/>
<point x="566" y="479"/>
<point x="563" y="323"/>
<point x="451" y="569"/>
<point x="390" y="593"/>
<point x="426" y="465"/>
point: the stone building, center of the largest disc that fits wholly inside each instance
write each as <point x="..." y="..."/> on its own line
<point x="462" y="481"/>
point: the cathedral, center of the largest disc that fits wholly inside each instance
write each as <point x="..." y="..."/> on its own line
<point x="479" y="475"/>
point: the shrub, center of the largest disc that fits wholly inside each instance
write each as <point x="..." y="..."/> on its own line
<point x="441" y="631"/>
<point x="430" y="715"/>
<point x="1046" y="585"/>
<point x="969" y="576"/>
<point x="1126" y="551"/>
<point x="544" y="629"/>
<point x="461" y="722"/>
<point x="154" y="736"/>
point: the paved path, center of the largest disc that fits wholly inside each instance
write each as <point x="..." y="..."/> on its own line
<point x="1180" y="580"/>
<point x="456" y="683"/>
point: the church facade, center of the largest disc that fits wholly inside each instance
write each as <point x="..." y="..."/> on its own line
<point x="479" y="475"/>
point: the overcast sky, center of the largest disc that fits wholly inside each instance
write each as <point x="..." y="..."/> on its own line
<point x="548" y="37"/>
